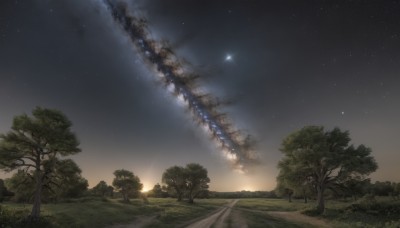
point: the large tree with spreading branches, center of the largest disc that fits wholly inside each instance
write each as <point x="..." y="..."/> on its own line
<point x="34" y="145"/>
<point x="323" y="159"/>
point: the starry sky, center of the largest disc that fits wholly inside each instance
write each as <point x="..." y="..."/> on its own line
<point x="285" y="64"/>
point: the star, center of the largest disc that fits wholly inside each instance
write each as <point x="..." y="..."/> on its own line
<point x="228" y="58"/>
<point x="342" y="112"/>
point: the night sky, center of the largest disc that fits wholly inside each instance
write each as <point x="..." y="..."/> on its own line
<point x="285" y="64"/>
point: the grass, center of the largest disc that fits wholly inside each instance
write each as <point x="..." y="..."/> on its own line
<point x="260" y="220"/>
<point x="254" y="211"/>
<point x="97" y="212"/>
<point x="385" y="212"/>
<point x="272" y="205"/>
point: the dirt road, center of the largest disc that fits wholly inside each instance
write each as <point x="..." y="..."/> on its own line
<point x="217" y="219"/>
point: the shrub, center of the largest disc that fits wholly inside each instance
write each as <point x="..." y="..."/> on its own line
<point x="20" y="218"/>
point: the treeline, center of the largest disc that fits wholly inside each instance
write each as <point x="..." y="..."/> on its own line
<point x="243" y="194"/>
<point x="35" y="148"/>
<point x="353" y="191"/>
<point x="159" y="191"/>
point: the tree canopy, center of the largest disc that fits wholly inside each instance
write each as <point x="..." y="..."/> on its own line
<point x="103" y="189"/>
<point x="175" y="179"/>
<point x="34" y="144"/>
<point x="127" y="183"/>
<point x="323" y="159"/>
<point x="190" y="180"/>
<point x="65" y="181"/>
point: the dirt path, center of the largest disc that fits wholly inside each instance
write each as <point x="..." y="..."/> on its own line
<point x="298" y="217"/>
<point x="217" y="219"/>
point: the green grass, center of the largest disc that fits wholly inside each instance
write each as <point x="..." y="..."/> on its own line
<point x="261" y="220"/>
<point x="254" y="211"/>
<point x="383" y="213"/>
<point x="95" y="212"/>
<point x="272" y="205"/>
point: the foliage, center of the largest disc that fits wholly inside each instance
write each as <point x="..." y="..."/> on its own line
<point x="127" y="183"/>
<point x="65" y="181"/>
<point x="4" y="191"/>
<point x="158" y="191"/>
<point x="324" y="159"/>
<point x="197" y="180"/>
<point x="191" y="180"/>
<point x="34" y="144"/>
<point x="95" y="212"/>
<point x="22" y="185"/>
<point x="19" y="218"/>
<point x="383" y="188"/>
<point x="102" y="189"/>
<point x="369" y="211"/>
<point x="175" y="179"/>
<point x="242" y="194"/>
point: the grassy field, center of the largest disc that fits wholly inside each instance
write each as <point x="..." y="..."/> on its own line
<point x="384" y="212"/>
<point x="96" y="212"/>
<point x="272" y="205"/>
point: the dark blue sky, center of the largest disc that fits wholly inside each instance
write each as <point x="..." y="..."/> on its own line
<point x="295" y="63"/>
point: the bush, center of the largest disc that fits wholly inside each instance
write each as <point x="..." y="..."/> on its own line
<point x="20" y="218"/>
<point x="372" y="207"/>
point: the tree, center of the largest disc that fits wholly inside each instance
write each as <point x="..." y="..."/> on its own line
<point x="101" y="188"/>
<point x="65" y="181"/>
<point x="35" y="141"/>
<point x="157" y="191"/>
<point x="175" y="179"/>
<point x="326" y="158"/>
<point x="356" y="187"/>
<point x="22" y="185"/>
<point x="127" y="183"/>
<point x="283" y="190"/>
<point x="197" y="180"/>
<point x="192" y="180"/>
<point x="110" y="191"/>
<point x="4" y="191"/>
<point x="291" y="181"/>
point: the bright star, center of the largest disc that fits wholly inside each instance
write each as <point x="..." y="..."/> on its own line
<point x="228" y="58"/>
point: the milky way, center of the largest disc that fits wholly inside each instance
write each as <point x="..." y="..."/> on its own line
<point x="237" y="148"/>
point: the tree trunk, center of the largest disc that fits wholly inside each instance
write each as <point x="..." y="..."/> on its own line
<point x="290" y="197"/>
<point x="179" y="197"/>
<point x="320" y="198"/>
<point x="126" y="199"/>
<point x="191" y="196"/>
<point x="305" y="196"/>
<point x="37" y="200"/>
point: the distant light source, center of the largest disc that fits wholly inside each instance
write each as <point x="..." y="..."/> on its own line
<point x="228" y="58"/>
